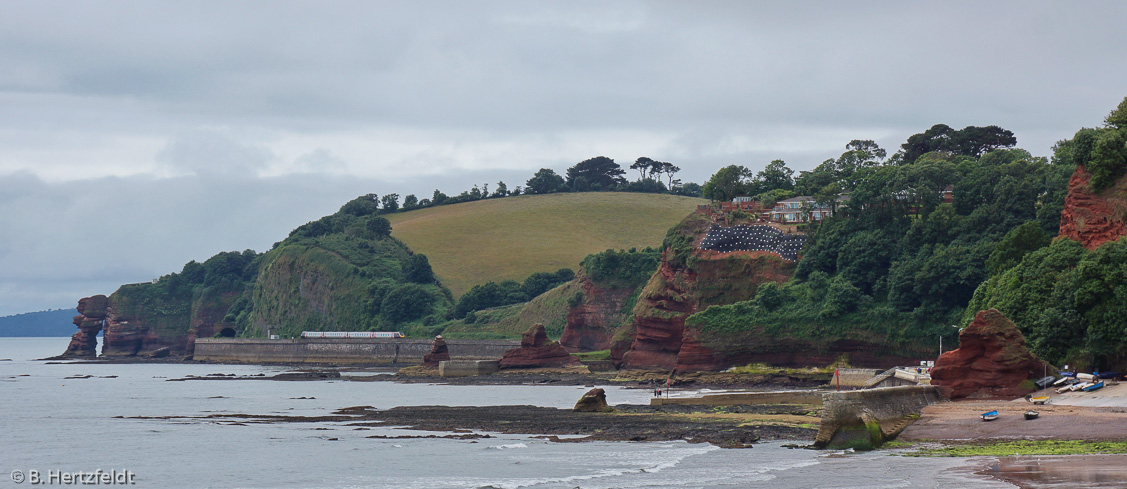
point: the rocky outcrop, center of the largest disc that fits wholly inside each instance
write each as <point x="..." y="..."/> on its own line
<point x="438" y="353"/>
<point x="594" y="401"/>
<point x="991" y="360"/>
<point x="536" y="351"/>
<point x="1093" y="219"/>
<point x="592" y="321"/>
<point x="90" y="318"/>
<point x="676" y="292"/>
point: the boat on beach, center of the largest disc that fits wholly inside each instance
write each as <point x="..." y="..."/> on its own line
<point x="1039" y="400"/>
<point x="1031" y="414"/>
<point x="990" y="416"/>
<point x="1095" y="386"/>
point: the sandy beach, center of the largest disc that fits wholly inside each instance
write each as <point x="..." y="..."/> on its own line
<point x="1100" y="415"/>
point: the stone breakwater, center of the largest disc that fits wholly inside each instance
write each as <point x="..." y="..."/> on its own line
<point x="865" y="419"/>
<point x="342" y="351"/>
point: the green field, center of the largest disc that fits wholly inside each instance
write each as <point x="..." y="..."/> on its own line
<point x="510" y="238"/>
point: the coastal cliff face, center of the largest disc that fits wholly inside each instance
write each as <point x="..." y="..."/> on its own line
<point x="143" y="318"/>
<point x="687" y="281"/>
<point x="1093" y="219"/>
<point x="594" y="319"/>
<point x="991" y="360"/>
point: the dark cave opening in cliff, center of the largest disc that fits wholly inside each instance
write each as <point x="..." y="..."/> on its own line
<point x="227" y="333"/>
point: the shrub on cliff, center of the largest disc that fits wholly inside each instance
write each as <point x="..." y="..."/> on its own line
<point x="622" y="269"/>
<point x="406" y="302"/>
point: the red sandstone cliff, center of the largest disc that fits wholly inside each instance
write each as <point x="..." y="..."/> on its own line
<point x="991" y="360"/>
<point x="1093" y="219"/>
<point x="592" y="322"/>
<point x="680" y="289"/>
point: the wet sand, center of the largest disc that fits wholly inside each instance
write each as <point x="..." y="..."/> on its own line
<point x="1043" y="472"/>
<point x="961" y="422"/>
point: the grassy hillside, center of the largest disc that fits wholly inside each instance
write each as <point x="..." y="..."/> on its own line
<point x="510" y="238"/>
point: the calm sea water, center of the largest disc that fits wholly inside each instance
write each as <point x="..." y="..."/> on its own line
<point x="50" y="422"/>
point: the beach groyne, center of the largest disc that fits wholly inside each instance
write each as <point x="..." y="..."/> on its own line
<point x="342" y="350"/>
<point x="865" y="419"/>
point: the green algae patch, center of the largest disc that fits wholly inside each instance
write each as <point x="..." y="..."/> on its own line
<point x="1024" y="447"/>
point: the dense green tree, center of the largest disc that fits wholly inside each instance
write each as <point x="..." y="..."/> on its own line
<point x="1017" y="243"/>
<point x="502" y="190"/>
<point x="378" y="226"/>
<point x="438" y="198"/>
<point x="410" y="202"/>
<point x="690" y="189"/>
<point x="969" y="141"/>
<point x="405" y="303"/>
<point x="601" y="173"/>
<point x="648" y="185"/>
<point x="417" y="269"/>
<point x="774" y="176"/>
<point x="390" y="202"/>
<point x="645" y="167"/>
<point x="1117" y="119"/>
<point x="727" y="183"/>
<point x="541" y="282"/>
<point x="489" y="294"/>
<point x="545" y="181"/>
<point x="361" y="206"/>
<point x="1108" y="158"/>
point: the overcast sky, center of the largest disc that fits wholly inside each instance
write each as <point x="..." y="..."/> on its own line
<point x="135" y="136"/>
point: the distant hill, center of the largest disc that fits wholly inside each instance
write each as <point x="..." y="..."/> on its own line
<point x="44" y="323"/>
<point x="511" y="238"/>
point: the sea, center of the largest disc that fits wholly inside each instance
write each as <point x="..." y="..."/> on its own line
<point x="54" y="420"/>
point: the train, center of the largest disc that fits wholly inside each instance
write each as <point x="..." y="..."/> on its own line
<point x="352" y="334"/>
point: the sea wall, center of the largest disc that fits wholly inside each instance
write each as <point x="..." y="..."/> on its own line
<point x="853" y="377"/>
<point x="468" y="368"/>
<point x="865" y="419"/>
<point x="342" y="350"/>
<point x="778" y="397"/>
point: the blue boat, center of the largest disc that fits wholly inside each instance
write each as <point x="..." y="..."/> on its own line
<point x="990" y="416"/>
<point x="1097" y="385"/>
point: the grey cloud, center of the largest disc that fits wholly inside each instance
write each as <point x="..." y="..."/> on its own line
<point x="213" y="151"/>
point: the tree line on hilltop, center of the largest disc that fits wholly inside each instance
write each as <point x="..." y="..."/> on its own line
<point x="598" y="174"/>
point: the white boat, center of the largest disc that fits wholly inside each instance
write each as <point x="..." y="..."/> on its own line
<point x="1079" y="386"/>
<point x="1061" y="380"/>
<point x="1064" y="389"/>
<point x="1085" y="377"/>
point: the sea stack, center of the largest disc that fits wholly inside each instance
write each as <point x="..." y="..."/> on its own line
<point x="91" y="316"/>
<point x="536" y="351"/>
<point x="438" y="353"/>
<point x="991" y="360"/>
